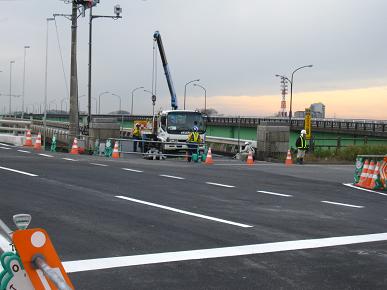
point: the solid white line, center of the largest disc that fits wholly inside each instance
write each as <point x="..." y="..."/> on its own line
<point x="98" y="164"/>
<point x="69" y="159"/>
<point x="274" y="193"/>
<point x="3" y="144"/>
<point x="45" y="155"/>
<point x="114" y="262"/>
<point x="343" y="204"/>
<point x="7" y="148"/>
<point x="23" y="151"/>
<point x="133" y="170"/>
<point x="171" y="176"/>
<point x="364" y="189"/>
<point x="184" y="212"/>
<point x="219" y="184"/>
<point x="18" y="171"/>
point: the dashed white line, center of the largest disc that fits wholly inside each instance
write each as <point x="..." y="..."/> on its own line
<point x="115" y="262"/>
<point x="69" y="159"/>
<point x="274" y="193"/>
<point x="185" y="212"/>
<point x="3" y="144"/>
<point x="220" y="184"/>
<point x="7" y="148"/>
<point x="98" y="164"/>
<point x="171" y="176"/>
<point x="18" y="171"/>
<point x="342" y="204"/>
<point x="24" y="151"/>
<point x="359" y="188"/>
<point x="45" y="155"/>
<point x="132" y="170"/>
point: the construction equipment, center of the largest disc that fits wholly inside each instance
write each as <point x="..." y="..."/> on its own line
<point x="172" y="127"/>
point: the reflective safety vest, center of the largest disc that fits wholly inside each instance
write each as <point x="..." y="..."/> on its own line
<point x="136" y="132"/>
<point x="302" y="144"/>
<point x="194" y="137"/>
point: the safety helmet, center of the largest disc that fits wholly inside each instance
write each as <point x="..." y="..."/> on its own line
<point x="303" y="132"/>
<point x="195" y="128"/>
<point x="247" y="143"/>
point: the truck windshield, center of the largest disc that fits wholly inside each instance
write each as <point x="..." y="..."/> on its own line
<point x="183" y="122"/>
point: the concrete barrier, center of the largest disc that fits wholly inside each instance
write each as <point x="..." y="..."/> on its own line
<point x="12" y="139"/>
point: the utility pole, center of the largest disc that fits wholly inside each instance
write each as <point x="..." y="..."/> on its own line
<point x="73" y="115"/>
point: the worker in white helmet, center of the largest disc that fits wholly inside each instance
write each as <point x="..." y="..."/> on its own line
<point x="302" y="147"/>
<point x="244" y="154"/>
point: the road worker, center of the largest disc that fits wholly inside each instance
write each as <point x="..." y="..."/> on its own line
<point x="301" y="147"/>
<point x="244" y="154"/>
<point x="193" y="142"/>
<point x="136" y="136"/>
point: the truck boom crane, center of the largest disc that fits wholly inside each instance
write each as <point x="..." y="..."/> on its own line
<point x="157" y="38"/>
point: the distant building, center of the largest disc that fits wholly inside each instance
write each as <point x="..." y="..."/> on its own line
<point x="299" y="114"/>
<point x="317" y="110"/>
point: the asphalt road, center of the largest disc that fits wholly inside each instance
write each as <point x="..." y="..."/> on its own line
<point x="174" y="225"/>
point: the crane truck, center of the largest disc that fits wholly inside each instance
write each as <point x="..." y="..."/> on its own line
<point x="172" y="127"/>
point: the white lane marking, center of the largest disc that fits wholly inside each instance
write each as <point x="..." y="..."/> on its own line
<point x="274" y="193"/>
<point x="115" y="262"/>
<point x="219" y="184"/>
<point x="171" y="176"/>
<point x="45" y="155"/>
<point x="7" y="145"/>
<point x="185" y="212"/>
<point x="69" y="159"/>
<point x="24" y="151"/>
<point x="364" y="189"/>
<point x="343" y="204"/>
<point x="132" y="170"/>
<point x="7" y="148"/>
<point x="98" y="164"/>
<point x="18" y="171"/>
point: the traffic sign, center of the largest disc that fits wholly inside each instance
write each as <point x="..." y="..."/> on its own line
<point x="308" y="124"/>
<point x="31" y="243"/>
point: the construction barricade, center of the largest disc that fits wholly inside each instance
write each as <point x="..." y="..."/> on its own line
<point x="371" y="171"/>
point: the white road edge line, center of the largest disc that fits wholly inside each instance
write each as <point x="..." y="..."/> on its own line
<point x="219" y="184"/>
<point x="185" y="212"/>
<point x="274" y="193"/>
<point x="45" y="155"/>
<point x="359" y="188"/>
<point x="69" y="159"/>
<point x="125" y="261"/>
<point x="7" y="148"/>
<point x="24" y="151"/>
<point x="98" y="164"/>
<point x="343" y="204"/>
<point x="171" y="176"/>
<point x="18" y="171"/>
<point x="132" y="170"/>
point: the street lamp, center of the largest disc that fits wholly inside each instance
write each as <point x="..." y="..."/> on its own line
<point x="291" y="89"/>
<point x="45" y="86"/>
<point x="99" y="101"/>
<point x="205" y="97"/>
<point x="185" y="89"/>
<point x="131" y="107"/>
<point x="24" y="78"/>
<point x="120" y="111"/>
<point x="10" y="85"/>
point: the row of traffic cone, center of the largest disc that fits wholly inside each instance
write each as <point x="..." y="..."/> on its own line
<point x="369" y="177"/>
<point x="38" y="143"/>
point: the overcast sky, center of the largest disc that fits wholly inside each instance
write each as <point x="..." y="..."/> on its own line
<point x="234" y="46"/>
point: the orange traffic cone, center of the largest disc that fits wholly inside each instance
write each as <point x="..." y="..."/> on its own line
<point x="38" y="143"/>
<point x="289" y="160"/>
<point x="370" y="173"/>
<point x="28" y="141"/>
<point x="74" y="148"/>
<point x="374" y="177"/>
<point x="116" y="154"/>
<point x="209" y="157"/>
<point x="364" y="173"/>
<point x="250" y="160"/>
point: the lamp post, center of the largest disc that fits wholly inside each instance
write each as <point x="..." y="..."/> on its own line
<point x="24" y="78"/>
<point x="99" y="101"/>
<point x="131" y="107"/>
<point x="45" y="87"/>
<point x="185" y="89"/>
<point x="291" y="89"/>
<point x="10" y="86"/>
<point x="205" y="97"/>
<point x="120" y="110"/>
